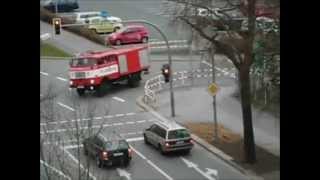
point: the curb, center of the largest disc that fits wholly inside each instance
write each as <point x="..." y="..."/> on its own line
<point x="220" y="154"/>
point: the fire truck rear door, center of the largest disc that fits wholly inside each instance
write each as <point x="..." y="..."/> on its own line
<point x="123" y="63"/>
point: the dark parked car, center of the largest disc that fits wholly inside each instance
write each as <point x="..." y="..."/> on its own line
<point x="108" y="151"/>
<point x="63" y="5"/>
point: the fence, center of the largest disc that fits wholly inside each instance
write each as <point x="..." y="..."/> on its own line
<point x="180" y="79"/>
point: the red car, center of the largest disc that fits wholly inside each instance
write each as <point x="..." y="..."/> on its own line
<point x="129" y="34"/>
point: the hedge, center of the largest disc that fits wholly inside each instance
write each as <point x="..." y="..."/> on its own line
<point x="47" y="16"/>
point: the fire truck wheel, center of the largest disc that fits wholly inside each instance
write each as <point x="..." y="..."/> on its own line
<point x="118" y="42"/>
<point x="94" y="31"/>
<point x="80" y="92"/>
<point x="134" y="80"/>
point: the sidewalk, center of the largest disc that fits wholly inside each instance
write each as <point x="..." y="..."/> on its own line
<point x="194" y="104"/>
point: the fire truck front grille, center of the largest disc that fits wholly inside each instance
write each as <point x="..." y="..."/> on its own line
<point x="80" y="75"/>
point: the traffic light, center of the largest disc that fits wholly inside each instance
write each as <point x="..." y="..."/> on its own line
<point x="166" y="72"/>
<point x="57" y="25"/>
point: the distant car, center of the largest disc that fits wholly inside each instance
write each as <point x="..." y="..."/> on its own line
<point x="129" y="34"/>
<point x="168" y="137"/>
<point x="63" y="5"/>
<point x="87" y="17"/>
<point x="104" y="26"/>
<point x="108" y="151"/>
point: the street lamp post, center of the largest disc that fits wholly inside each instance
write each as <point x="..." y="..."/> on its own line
<point x="169" y="58"/>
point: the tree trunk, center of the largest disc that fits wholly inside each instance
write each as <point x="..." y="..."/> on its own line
<point x="249" y="144"/>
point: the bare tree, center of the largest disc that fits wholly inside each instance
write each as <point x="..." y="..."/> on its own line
<point x="223" y="32"/>
<point x="57" y="129"/>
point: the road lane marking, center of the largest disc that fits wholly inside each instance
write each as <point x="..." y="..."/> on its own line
<point x="142" y="121"/>
<point x="119" y="115"/>
<point x="62" y="79"/>
<point x="75" y="140"/>
<point x="55" y="170"/>
<point x="152" y="164"/>
<point x="44" y="73"/>
<point x="76" y="161"/>
<point x="65" y="106"/>
<point x="130" y="122"/>
<point x="117" y="124"/>
<point x="130" y="114"/>
<point x="124" y="173"/>
<point x="118" y="99"/>
<point x="86" y="127"/>
<point x="195" y="167"/>
<point x="85" y="119"/>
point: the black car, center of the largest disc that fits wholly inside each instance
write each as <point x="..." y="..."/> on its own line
<point x="108" y="151"/>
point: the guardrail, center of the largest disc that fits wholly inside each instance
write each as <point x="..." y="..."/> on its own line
<point x="180" y="79"/>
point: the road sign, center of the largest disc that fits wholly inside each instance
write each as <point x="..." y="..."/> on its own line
<point x="213" y="89"/>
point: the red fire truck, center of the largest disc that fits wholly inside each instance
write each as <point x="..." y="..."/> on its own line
<point x="98" y="70"/>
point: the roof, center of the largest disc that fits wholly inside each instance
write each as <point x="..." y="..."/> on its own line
<point x="116" y="51"/>
<point x="170" y="125"/>
<point x="111" y="137"/>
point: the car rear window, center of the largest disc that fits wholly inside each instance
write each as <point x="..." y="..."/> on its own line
<point x="177" y="134"/>
<point x="112" y="145"/>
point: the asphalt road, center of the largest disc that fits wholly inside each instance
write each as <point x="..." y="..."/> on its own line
<point x="117" y="110"/>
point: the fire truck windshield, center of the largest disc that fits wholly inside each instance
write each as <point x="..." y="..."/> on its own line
<point x="82" y="62"/>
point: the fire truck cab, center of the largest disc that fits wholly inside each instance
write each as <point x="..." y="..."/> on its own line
<point x="97" y="70"/>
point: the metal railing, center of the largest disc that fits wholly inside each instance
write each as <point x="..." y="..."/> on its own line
<point x="180" y="79"/>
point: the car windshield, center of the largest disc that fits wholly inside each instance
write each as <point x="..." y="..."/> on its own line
<point x="180" y="133"/>
<point x="81" y="62"/>
<point x="113" y="145"/>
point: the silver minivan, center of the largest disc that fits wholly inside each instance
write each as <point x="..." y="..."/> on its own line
<point x="168" y="137"/>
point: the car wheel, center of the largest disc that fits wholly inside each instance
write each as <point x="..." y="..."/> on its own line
<point x="161" y="149"/>
<point x="98" y="162"/>
<point x="118" y="42"/>
<point x="146" y="139"/>
<point x="94" y="31"/>
<point x="116" y="29"/>
<point x="187" y="151"/>
<point x="144" y="40"/>
<point x="126" y="163"/>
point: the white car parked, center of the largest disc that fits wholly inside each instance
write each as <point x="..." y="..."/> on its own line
<point x="87" y="17"/>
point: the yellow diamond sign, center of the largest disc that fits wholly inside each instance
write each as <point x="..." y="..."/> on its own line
<point x="213" y="89"/>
